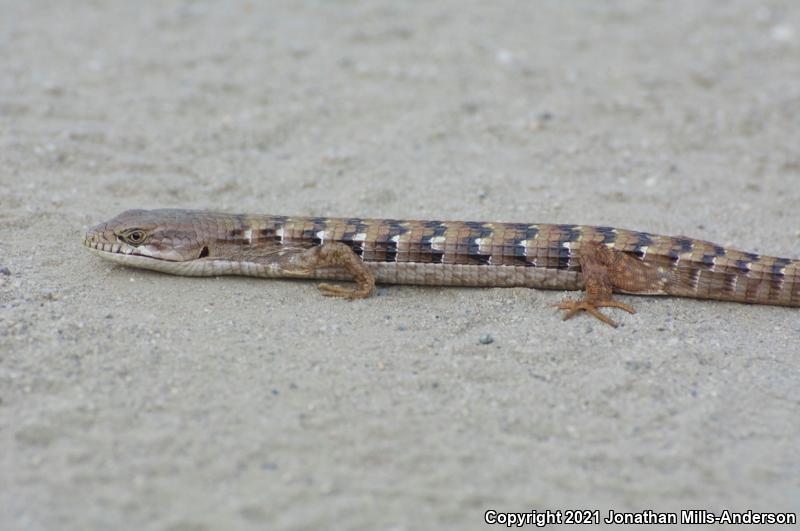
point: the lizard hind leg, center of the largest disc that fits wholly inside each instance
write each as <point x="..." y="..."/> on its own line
<point x="603" y="270"/>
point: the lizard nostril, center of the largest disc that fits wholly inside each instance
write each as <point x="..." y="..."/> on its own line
<point x="203" y="252"/>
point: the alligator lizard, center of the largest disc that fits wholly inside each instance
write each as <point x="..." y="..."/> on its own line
<point x="599" y="260"/>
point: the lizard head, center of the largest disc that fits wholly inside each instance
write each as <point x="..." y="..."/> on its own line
<point x="146" y="237"/>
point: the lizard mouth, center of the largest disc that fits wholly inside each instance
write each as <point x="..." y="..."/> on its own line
<point x="121" y="250"/>
<point x="142" y="257"/>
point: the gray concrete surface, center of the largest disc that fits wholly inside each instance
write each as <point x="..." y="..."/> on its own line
<point x="133" y="400"/>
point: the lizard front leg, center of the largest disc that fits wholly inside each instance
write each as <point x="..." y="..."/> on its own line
<point x="335" y="255"/>
<point x="604" y="270"/>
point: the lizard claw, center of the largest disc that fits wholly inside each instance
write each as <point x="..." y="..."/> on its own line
<point x="330" y="290"/>
<point x="590" y="307"/>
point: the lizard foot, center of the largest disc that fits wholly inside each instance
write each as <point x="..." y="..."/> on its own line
<point x="591" y="307"/>
<point x="330" y="290"/>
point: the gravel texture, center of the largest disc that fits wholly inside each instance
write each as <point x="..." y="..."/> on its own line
<point x="134" y="400"/>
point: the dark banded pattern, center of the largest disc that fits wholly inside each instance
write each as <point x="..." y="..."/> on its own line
<point x="455" y="252"/>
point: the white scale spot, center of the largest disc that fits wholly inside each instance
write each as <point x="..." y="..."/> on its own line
<point x="248" y="235"/>
<point x="360" y="237"/>
<point x="321" y="236"/>
<point x="483" y="247"/>
<point x="524" y="244"/>
<point x="437" y="241"/>
<point x="395" y="238"/>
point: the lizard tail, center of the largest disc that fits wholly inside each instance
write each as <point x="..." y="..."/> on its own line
<point x="761" y="280"/>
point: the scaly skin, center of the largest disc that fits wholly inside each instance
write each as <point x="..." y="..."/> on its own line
<point x="448" y="253"/>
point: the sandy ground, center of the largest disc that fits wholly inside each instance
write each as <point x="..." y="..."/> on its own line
<point x="134" y="400"/>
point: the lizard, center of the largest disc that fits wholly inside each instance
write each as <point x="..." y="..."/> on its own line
<point x="599" y="260"/>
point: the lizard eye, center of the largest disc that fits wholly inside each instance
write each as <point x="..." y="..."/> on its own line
<point x="133" y="237"/>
